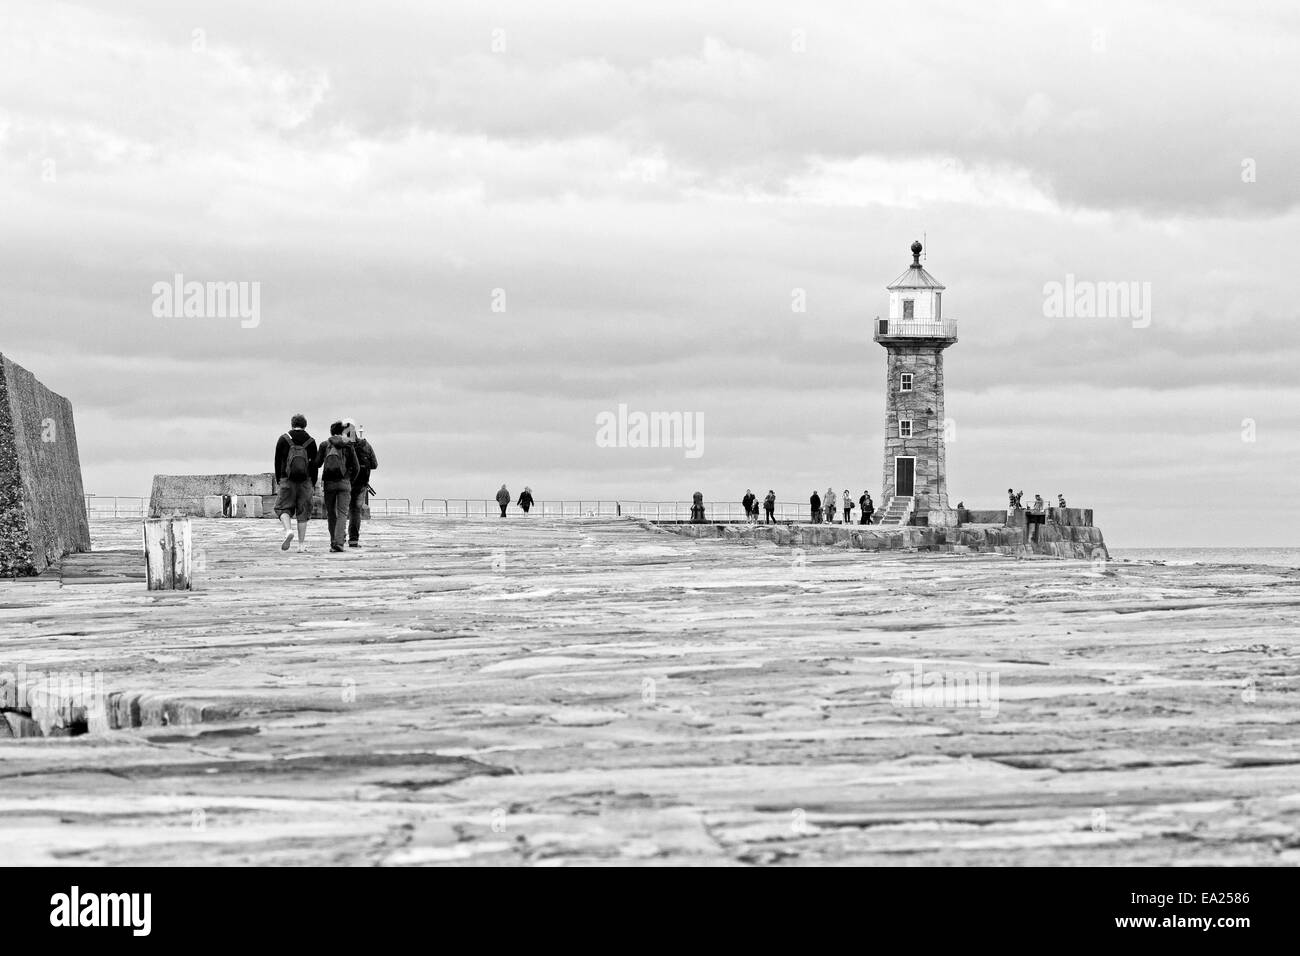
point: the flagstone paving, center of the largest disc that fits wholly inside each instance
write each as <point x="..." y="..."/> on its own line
<point x="550" y="691"/>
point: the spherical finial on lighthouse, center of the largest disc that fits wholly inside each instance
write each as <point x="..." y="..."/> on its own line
<point x="916" y="252"/>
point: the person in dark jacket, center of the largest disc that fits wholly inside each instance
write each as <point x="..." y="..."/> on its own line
<point x="526" y="499"/>
<point x="769" y="506"/>
<point x="337" y="462"/>
<point x="295" y="480"/>
<point x="361" y="490"/>
<point x="748" y="502"/>
<point x="815" y="502"/>
<point x="868" y="507"/>
<point x="503" y="499"/>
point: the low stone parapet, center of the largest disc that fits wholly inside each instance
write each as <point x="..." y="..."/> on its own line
<point x="1053" y="540"/>
<point x="1073" y="517"/>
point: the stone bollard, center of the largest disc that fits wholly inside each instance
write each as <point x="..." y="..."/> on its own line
<point x="167" y="554"/>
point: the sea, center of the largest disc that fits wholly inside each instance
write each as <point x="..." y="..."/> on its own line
<point x="1272" y="557"/>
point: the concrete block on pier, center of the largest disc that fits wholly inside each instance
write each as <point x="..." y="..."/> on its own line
<point x="186" y="494"/>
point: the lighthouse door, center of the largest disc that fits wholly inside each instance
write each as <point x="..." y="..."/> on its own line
<point x="904" y="472"/>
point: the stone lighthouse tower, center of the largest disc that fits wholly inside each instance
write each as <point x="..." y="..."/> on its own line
<point x="914" y="487"/>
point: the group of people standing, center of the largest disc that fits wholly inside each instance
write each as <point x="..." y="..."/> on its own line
<point x="342" y="464"/>
<point x="1038" y="507"/>
<point x="750" y="504"/>
<point x="827" y="507"/>
<point x="822" y="508"/>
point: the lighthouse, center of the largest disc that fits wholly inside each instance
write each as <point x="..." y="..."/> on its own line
<point x="914" y="487"/>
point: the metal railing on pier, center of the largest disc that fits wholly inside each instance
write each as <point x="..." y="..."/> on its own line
<point x="484" y="507"/>
<point x="135" y="506"/>
<point x="113" y="506"/>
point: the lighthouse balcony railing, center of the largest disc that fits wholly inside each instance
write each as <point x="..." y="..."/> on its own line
<point x="916" y="328"/>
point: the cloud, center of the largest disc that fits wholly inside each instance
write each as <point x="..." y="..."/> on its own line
<point x="649" y="187"/>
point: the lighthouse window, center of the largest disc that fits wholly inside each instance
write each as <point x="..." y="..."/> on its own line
<point x="906" y="384"/>
<point x="905" y="428"/>
<point x="908" y="308"/>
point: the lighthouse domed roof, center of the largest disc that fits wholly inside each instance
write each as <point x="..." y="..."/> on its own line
<point x="915" y="277"/>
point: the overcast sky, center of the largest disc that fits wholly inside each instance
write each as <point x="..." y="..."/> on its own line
<point x="649" y="183"/>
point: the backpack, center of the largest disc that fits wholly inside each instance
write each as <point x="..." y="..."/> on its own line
<point x="296" y="467"/>
<point x="334" y="467"/>
<point x="366" y="455"/>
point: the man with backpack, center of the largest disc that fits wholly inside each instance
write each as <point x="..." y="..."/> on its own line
<point x="295" y="478"/>
<point x="339" y="469"/>
<point x="361" y="486"/>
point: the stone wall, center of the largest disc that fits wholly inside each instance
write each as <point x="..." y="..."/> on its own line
<point x="1075" y="517"/>
<point x="1057" y="541"/>
<point x="42" y="501"/>
<point x="184" y="494"/>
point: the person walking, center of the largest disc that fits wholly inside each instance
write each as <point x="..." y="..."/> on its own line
<point x="847" y="504"/>
<point x="1060" y="501"/>
<point x="829" y="504"/>
<point x="526" y="499"/>
<point x="503" y="499"/>
<point x="338" y="466"/>
<point x="868" y="507"/>
<point x="361" y="490"/>
<point x="769" y="505"/>
<point x="748" y="502"/>
<point x="295" y="480"/>
<point x="816" y="502"/>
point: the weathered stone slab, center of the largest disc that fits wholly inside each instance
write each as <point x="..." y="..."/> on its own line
<point x="42" y="501"/>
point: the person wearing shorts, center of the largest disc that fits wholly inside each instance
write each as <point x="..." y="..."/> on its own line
<point x="295" y="477"/>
